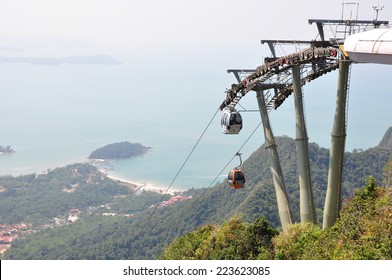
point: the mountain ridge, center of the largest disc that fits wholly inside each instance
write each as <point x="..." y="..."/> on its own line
<point x="386" y="141"/>
<point x="55" y="61"/>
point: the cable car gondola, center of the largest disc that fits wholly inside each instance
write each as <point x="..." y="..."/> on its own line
<point x="236" y="177"/>
<point x="231" y="121"/>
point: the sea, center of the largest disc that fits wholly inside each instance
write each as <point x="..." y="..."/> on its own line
<point x="57" y="115"/>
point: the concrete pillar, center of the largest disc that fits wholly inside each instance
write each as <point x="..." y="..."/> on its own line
<point x="284" y="208"/>
<point x="307" y="209"/>
<point x="338" y="139"/>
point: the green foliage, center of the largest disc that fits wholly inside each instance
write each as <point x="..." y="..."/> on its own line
<point x="187" y="246"/>
<point x="234" y="240"/>
<point x="365" y="227"/>
<point x="387" y="175"/>
<point x="119" y="150"/>
<point x="363" y="232"/>
<point x="135" y="203"/>
<point x="296" y="242"/>
<point x="90" y="238"/>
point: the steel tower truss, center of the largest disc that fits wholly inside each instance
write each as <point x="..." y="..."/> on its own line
<point x="287" y="74"/>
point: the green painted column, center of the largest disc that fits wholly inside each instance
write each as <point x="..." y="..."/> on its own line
<point x="307" y="209"/>
<point x="338" y="139"/>
<point x="284" y="207"/>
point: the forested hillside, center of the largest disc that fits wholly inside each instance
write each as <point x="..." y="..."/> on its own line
<point x="363" y="232"/>
<point x="144" y="235"/>
<point x="37" y="199"/>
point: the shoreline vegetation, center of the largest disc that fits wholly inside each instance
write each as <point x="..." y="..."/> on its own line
<point x="121" y="150"/>
<point x="138" y="186"/>
<point x="112" y="152"/>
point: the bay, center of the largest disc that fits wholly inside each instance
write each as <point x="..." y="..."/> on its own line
<point x="53" y="116"/>
<point x="57" y="115"/>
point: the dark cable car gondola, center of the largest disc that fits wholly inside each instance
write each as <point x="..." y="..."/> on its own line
<point x="231" y="121"/>
<point x="236" y="177"/>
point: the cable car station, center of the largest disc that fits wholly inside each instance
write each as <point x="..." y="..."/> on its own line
<point x="277" y="79"/>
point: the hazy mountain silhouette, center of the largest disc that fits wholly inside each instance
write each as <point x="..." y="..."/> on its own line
<point x="86" y="59"/>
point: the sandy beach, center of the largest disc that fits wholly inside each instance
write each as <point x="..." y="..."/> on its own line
<point x="137" y="186"/>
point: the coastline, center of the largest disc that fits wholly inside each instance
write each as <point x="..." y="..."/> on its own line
<point x="138" y="186"/>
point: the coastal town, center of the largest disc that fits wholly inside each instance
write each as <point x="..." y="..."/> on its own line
<point x="10" y="232"/>
<point x="174" y="199"/>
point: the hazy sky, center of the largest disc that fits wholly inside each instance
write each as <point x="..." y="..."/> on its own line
<point x="74" y="26"/>
<point x="199" y="40"/>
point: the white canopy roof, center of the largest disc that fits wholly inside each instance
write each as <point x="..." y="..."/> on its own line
<point x="374" y="46"/>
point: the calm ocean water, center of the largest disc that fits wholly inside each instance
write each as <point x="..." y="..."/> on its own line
<point x="56" y="115"/>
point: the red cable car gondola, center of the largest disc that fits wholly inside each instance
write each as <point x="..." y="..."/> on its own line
<point x="236" y="177"/>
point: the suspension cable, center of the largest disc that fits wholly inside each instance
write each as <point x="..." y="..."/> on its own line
<point x="186" y="160"/>
<point x="192" y="205"/>
<point x="224" y="168"/>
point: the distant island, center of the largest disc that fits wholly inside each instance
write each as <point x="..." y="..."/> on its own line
<point x="6" y="150"/>
<point x="119" y="151"/>
<point x="86" y="59"/>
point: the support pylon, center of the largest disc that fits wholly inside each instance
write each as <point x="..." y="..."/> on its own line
<point x="338" y="139"/>
<point x="284" y="207"/>
<point x="307" y="208"/>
